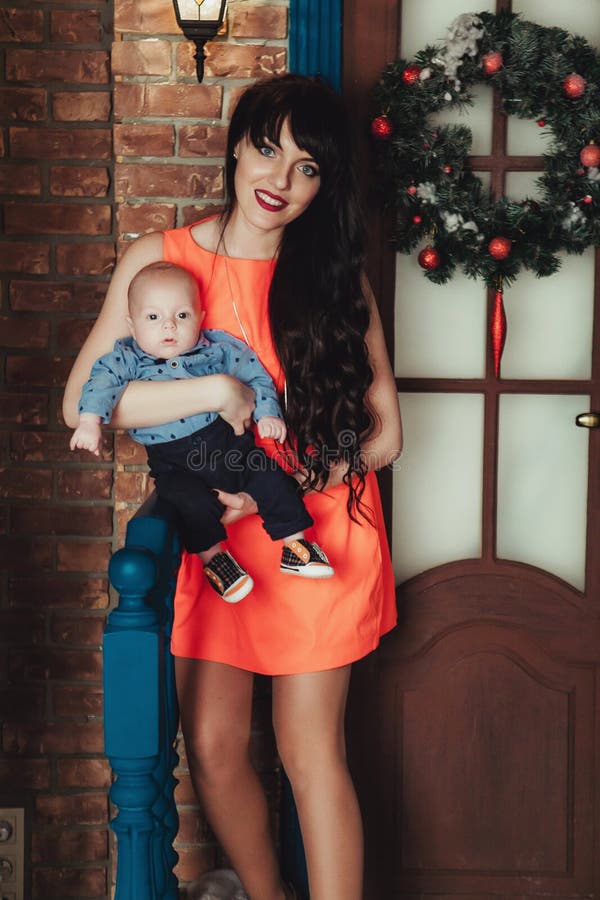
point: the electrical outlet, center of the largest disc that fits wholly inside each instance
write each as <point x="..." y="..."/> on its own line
<point x="12" y="853"/>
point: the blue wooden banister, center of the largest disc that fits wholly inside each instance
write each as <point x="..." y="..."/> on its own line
<point x="140" y="706"/>
<point x="141" y="715"/>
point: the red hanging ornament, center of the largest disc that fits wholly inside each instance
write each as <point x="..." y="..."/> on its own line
<point x="429" y="259"/>
<point x="448" y="170"/>
<point x="590" y="155"/>
<point x="573" y="86"/>
<point x="382" y="128"/>
<point x="417" y="220"/>
<point x="499" y="247"/>
<point x="498" y="328"/>
<point x="492" y="62"/>
<point x="588" y="199"/>
<point x="411" y="74"/>
<point x="412" y="190"/>
<point x="541" y="123"/>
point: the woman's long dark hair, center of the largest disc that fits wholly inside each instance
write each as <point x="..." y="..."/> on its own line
<point x="318" y="311"/>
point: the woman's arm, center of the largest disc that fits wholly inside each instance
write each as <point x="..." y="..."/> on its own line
<point x="147" y="403"/>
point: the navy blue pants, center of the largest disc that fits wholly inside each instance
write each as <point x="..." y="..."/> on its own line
<point x="188" y="469"/>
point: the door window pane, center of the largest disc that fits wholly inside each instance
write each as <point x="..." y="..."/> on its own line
<point x="425" y="22"/>
<point x="542" y="483"/>
<point x="437" y="482"/>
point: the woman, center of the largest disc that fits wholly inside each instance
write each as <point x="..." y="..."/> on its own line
<point x="281" y="269"/>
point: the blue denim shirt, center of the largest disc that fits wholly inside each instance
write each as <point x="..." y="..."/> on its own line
<point x="215" y="353"/>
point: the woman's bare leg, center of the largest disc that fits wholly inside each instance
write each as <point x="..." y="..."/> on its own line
<point x="216" y="707"/>
<point x="308" y="714"/>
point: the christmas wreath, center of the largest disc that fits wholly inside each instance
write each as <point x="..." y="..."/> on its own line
<point x="421" y="169"/>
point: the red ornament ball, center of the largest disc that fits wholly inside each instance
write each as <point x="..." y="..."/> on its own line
<point x="573" y="86"/>
<point x="417" y="220"/>
<point x="411" y="74"/>
<point x="541" y="123"/>
<point x="492" y="62"/>
<point x="382" y="128"/>
<point x="588" y="199"/>
<point x="580" y="172"/>
<point x="412" y="190"/>
<point x="590" y="155"/>
<point x="500" y="247"/>
<point x="447" y="169"/>
<point x="429" y="259"/>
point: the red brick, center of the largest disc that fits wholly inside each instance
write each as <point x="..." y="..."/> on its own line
<point x="85" y="484"/>
<point x="97" y="258"/>
<point x="184" y="794"/>
<point x="28" y="104"/>
<point x="57" y="218"/>
<point x="67" y="883"/>
<point x="19" y="703"/>
<point x="21" y="26"/>
<point x="72" y="809"/>
<point x="258" y="21"/>
<point x="81" y="106"/>
<point x="193" y="213"/>
<point x="83" y="773"/>
<point x="75" y="702"/>
<point x="169" y="100"/>
<point x="135" y="220"/>
<point x="150" y="17"/>
<point x="79" y="181"/>
<point x="169" y="180"/>
<point x="59" y="592"/>
<point x="195" y="861"/>
<point x="127" y="451"/>
<point x="135" y="139"/>
<point x="25" y="774"/>
<point x="30" y="258"/>
<point x="20" y="178"/>
<point x="47" y="296"/>
<point x="77" y="66"/>
<point x="22" y="627"/>
<point x="233" y="60"/>
<point x="47" y="372"/>
<point x="24" y="555"/>
<point x="26" y="483"/>
<point x="64" y="846"/>
<point x="47" y="446"/>
<point x="23" y="409"/>
<point x="132" y="487"/>
<point x="83" y="556"/>
<point x="63" y="519"/>
<point x="78" y="26"/>
<point x="78" y="630"/>
<point x="71" y="333"/>
<point x="193" y="827"/>
<point x="202" y="140"/>
<point x="60" y="143"/>
<point x="24" y="331"/>
<point x="146" y="57"/>
<point x="67" y="665"/>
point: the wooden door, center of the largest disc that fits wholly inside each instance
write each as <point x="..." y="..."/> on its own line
<point x="474" y="730"/>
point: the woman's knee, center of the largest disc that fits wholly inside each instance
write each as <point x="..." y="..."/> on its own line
<point x="216" y="755"/>
<point x="307" y="758"/>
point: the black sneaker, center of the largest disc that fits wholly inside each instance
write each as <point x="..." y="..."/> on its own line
<point x="227" y="577"/>
<point x="305" y="559"/>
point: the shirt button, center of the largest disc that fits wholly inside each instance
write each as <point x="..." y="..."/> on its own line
<point x="174" y="364"/>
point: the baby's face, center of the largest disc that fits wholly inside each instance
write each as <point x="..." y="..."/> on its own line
<point x="165" y="316"/>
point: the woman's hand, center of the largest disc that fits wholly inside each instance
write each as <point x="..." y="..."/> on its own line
<point x="237" y="506"/>
<point x="236" y="404"/>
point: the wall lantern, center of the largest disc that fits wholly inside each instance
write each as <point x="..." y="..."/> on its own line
<point x="200" y="21"/>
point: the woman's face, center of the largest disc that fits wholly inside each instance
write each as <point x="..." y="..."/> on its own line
<point x="274" y="184"/>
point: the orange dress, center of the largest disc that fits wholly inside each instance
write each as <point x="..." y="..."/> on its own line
<point x="286" y="625"/>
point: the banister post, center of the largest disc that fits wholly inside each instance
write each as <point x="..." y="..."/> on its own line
<point x="132" y="652"/>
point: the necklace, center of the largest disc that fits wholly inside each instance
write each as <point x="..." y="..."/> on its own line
<point x="226" y="258"/>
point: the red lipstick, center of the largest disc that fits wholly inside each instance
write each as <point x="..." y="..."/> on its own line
<point x="276" y="206"/>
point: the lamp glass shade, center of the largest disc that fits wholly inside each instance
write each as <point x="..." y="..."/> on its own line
<point x="194" y="12"/>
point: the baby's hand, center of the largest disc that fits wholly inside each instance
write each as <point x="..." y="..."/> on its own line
<point x="272" y="427"/>
<point x="87" y="435"/>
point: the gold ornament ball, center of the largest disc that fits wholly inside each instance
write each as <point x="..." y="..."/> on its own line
<point x="499" y="247"/>
<point x="590" y="155"/>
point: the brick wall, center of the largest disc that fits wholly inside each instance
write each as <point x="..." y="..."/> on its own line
<point x="94" y="153"/>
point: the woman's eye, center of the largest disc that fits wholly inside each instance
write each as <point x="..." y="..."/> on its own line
<point x="310" y="171"/>
<point x="266" y="150"/>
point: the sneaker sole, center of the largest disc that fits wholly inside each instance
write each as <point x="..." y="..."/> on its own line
<point x="240" y="592"/>
<point x="324" y="572"/>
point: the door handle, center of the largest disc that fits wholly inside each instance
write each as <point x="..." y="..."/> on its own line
<point x="588" y="420"/>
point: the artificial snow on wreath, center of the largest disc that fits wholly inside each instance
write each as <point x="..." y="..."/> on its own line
<point x="421" y="169"/>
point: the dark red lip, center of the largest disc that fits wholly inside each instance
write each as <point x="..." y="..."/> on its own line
<point x="267" y="206"/>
